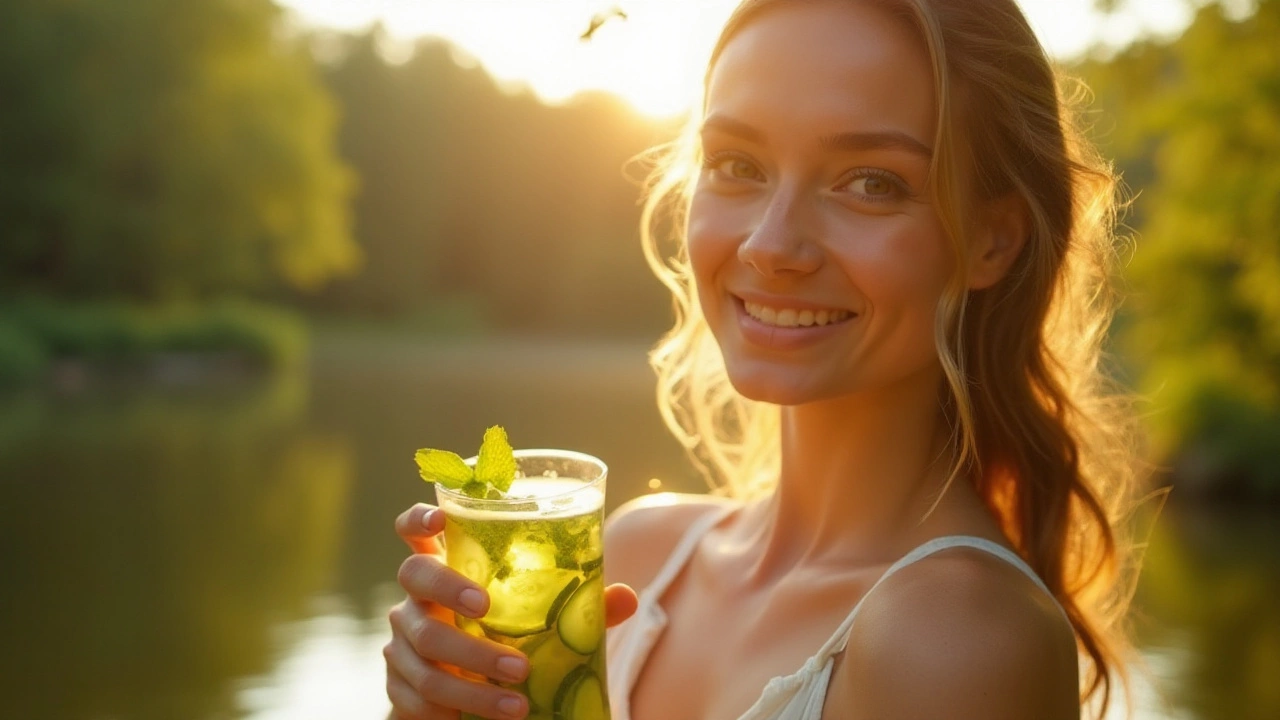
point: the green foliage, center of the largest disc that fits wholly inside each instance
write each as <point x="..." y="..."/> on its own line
<point x="22" y="358"/>
<point x="32" y="332"/>
<point x="468" y="190"/>
<point x="162" y="149"/>
<point x="1197" y="134"/>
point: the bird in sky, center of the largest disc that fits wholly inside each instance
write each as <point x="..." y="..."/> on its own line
<point x="600" y="18"/>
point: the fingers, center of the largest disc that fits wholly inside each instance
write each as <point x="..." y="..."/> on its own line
<point x="441" y="641"/>
<point x="427" y="579"/>
<point x="418" y="527"/>
<point x="620" y="603"/>
<point x="406" y="703"/>
<point x="424" y="691"/>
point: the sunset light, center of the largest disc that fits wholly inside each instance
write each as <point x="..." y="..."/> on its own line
<point x="653" y="57"/>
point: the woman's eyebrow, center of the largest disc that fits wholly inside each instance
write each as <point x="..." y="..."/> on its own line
<point x="879" y="140"/>
<point x="847" y="141"/>
<point x="723" y="123"/>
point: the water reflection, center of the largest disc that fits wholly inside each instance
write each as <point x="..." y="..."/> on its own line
<point x="226" y="551"/>
<point x="1208" y="594"/>
<point x="333" y="668"/>
<point x="163" y="535"/>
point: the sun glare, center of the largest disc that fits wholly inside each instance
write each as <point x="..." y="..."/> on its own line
<point x="653" y="57"/>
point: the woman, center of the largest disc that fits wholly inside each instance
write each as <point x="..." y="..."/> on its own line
<point x="892" y="285"/>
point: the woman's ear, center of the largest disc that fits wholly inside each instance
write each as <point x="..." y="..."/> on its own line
<point x="999" y="240"/>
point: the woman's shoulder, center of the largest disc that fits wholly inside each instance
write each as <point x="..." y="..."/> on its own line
<point x="961" y="634"/>
<point x="641" y="533"/>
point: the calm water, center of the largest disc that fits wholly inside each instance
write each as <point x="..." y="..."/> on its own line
<point x="222" y="548"/>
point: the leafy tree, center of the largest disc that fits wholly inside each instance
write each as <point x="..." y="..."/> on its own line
<point x="1197" y="130"/>
<point x="161" y="149"/>
<point x="469" y="191"/>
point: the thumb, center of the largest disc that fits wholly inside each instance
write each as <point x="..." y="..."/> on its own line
<point x="620" y="603"/>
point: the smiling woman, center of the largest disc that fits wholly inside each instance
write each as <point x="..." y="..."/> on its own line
<point x="889" y="252"/>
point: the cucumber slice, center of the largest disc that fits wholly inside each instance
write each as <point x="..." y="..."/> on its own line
<point x="469" y="558"/>
<point x="561" y="599"/>
<point x="549" y="665"/>
<point x="588" y="701"/>
<point x="592" y="565"/>
<point x="581" y="697"/>
<point x="581" y="622"/>
<point x="520" y="603"/>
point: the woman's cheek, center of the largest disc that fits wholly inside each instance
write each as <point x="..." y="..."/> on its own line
<point x="712" y="235"/>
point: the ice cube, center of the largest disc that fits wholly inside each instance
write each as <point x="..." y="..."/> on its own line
<point x="531" y="553"/>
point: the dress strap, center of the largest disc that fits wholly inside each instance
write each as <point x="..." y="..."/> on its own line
<point x="683" y="551"/>
<point x="840" y="638"/>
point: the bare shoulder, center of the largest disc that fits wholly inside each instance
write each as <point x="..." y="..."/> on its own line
<point x="962" y="635"/>
<point x="642" y="532"/>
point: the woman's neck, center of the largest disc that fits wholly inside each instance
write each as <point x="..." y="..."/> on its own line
<point x="860" y="476"/>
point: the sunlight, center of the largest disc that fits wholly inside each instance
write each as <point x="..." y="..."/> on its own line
<point x="654" y="58"/>
<point x="649" y="58"/>
<point x="331" y="669"/>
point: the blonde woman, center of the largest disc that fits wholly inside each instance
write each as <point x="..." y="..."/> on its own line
<point x="891" y="281"/>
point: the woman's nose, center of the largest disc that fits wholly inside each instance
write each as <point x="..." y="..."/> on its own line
<point x="784" y="239"/>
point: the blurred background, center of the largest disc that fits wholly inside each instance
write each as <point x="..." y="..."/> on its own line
<point x="253" y="254"/>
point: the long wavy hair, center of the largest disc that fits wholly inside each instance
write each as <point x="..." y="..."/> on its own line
<point x="1039" y="428"/>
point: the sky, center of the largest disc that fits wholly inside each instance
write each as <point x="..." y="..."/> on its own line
<point x="653" y="59"/>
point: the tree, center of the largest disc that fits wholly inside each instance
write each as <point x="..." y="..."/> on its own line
<point x="162" y="149"/>
<point x="1198" y="132"/>
<point x="472" y="191"/>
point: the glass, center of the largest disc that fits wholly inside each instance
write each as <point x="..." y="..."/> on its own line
<point x="540" y="555"/>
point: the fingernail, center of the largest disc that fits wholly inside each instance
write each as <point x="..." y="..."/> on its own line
<point x="509" y="705"/>
<point x="428" y="516"/>
<point x="512" y="669"/>
<point x="472" y="600"/>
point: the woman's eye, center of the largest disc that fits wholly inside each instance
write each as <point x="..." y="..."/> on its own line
<point x="734" y="168"/>
<point x="876" y="186"/>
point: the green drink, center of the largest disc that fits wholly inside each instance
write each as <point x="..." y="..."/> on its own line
<point x="538" y="553"/>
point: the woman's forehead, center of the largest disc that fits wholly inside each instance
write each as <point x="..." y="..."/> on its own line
<point x="825" y="67"/>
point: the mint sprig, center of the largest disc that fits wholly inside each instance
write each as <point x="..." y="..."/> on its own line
<point x="494" y="472"/>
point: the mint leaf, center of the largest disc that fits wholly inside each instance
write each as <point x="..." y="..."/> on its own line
<point x="496" y="464"/>
<point x="476" y="489"/>
<point x="444" y="467"/>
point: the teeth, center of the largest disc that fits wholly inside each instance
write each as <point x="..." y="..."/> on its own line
<point x="789" y="317"/>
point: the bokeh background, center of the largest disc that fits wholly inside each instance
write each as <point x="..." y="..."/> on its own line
<point x="252" y="255"/>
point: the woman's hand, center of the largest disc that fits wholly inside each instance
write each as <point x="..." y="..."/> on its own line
<point x="435" y="670"/>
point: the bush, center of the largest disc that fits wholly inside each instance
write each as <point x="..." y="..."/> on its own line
<point x="35" y="331"/>
<point x="22" y="358"/>
<point x="267" y="336"/>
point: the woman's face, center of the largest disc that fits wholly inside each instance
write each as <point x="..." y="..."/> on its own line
<point x="818" y="255"/>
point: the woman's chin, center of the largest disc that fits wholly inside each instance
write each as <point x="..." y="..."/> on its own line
<point x="772" y="389"/>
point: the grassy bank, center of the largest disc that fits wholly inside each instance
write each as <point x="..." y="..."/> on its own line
<point x="35" y="334"/>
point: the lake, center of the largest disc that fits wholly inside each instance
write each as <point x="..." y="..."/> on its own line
<point x="202" y="546"/>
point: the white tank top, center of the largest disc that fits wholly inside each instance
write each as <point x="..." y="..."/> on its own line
<point x="798" y="696"/>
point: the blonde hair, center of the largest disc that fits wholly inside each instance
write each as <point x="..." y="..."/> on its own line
<point x="1039" y="429"/>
